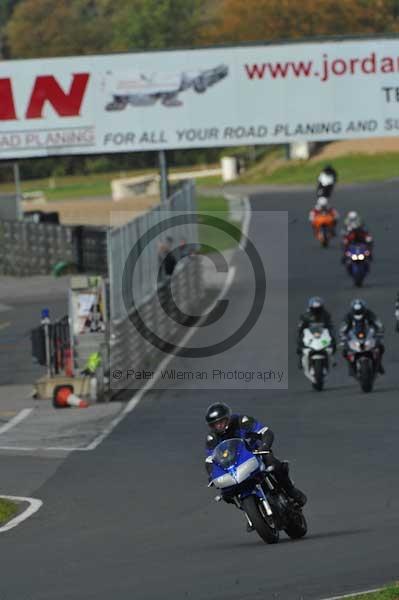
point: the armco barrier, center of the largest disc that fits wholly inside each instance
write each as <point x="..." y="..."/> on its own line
<point x="129" y="349"/>
<point x="121" y="241"/>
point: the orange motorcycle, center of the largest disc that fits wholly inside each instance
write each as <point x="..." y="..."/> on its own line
<point x="323" y="227"/>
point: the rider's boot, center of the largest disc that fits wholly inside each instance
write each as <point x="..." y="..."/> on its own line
<point x="287" y="484"/>
<point x="297" y="495"/>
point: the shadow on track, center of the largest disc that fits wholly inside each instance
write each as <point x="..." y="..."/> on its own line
<point x="252" y="541"/>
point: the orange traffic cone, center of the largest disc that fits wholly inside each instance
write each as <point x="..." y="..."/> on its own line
<point x="64" y="397"/>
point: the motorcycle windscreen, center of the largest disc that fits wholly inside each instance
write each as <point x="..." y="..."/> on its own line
<point x="229" y="453"/>
<point x="358" y="250"/>
<point x="316" y="329"/>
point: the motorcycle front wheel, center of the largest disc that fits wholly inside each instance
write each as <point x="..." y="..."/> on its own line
<point x="318" y="375"/>
<point x="263" y="524"/>
<point x="366" y="375"/>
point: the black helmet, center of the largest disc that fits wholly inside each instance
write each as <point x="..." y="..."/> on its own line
<point x="218" y="416"/>
<point x="315" y="306"/>
<point x="358" y="308"/>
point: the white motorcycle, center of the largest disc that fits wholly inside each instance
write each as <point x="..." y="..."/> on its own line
<point x="325" y="184"/>
<point x="316" y="354"/>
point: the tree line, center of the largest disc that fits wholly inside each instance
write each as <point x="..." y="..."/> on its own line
<point x="47" y="28"/>
<point x="36" y="28"/>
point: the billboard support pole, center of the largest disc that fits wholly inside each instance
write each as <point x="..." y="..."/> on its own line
<point x="163" y="171"/>
<point x="17" y="181"/>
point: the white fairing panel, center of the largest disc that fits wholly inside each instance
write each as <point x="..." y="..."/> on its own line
<point x="224" y="481"/>
<point x="246" y="469"/>
<point x="326" y="179"/>
<point x="319" y="343"/>
<point x="237" y="475"/>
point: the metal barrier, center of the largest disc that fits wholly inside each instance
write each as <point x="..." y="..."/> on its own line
<point x="122" y="240"/>
<point x="128" y="349"/>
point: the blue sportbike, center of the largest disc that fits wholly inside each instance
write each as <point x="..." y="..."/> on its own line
<point x="241" y="475"/>
<point x="357" y="260"/>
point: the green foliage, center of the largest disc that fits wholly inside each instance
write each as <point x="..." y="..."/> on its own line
<point x="144" y="24"/>
<point x="6" y="8"/>
<point x="46" y="28"/>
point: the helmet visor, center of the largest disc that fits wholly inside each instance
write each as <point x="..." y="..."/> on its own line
<point x="220" y="425"/>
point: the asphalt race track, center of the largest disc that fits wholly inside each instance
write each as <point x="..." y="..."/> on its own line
<point x="135" y="520"/>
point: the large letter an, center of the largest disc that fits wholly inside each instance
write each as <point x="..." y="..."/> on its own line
<point x="66" y="104"/>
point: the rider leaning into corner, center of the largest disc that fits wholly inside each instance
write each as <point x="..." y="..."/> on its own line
<point x="323" y="208"/>
<point x="223" y="425"/>
<point x="361" y="316"/>
<point x="315" y="313"/>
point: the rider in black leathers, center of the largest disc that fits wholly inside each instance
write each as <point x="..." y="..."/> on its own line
<point x="316" y="313"/>
<point x="359" y="314"/>
<point x="224" y="425"/>
<point x="322" y="188"/>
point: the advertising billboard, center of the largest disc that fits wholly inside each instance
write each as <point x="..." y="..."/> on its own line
<point x="262" y="94"/>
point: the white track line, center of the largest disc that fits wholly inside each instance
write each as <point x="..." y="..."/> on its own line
<point x="15" y="420"/>
<point x="33" y="507"/>
<point x="354" y="595"/>
<point x="19" y="448"/>
<point x="246" y="222"/>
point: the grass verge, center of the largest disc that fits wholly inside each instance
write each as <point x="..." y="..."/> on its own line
<point x="8" y="510"/>
<point x="353" y="168"/>
<point x="389" y="593"/>
<point x="219" y="238"/>
<point x="81" y="186"/>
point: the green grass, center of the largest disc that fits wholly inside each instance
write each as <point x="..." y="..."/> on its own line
<point x="8" y="510"/>
<point x="69" y="186"/>
<point x="84" y="186"/>
<point x="212" y="180"/>
<point x="352" y="168"/>
<point x="221" y="235"/>
<point x="389" y="593"/>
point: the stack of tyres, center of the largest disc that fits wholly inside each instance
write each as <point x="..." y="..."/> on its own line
<point x="92" y="249"/>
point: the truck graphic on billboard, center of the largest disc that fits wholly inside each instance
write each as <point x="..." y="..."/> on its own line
<point x="139" y="89"/>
